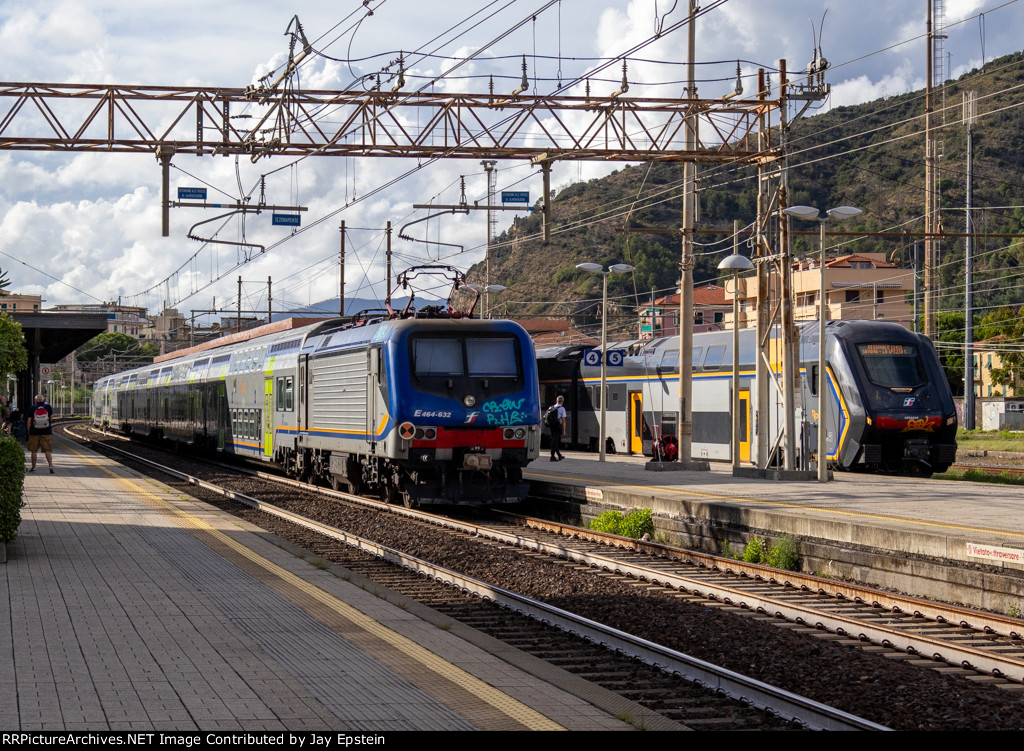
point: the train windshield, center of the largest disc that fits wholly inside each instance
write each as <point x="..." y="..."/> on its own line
<point x="486" y="357"/>
<point x="893" y="366"/>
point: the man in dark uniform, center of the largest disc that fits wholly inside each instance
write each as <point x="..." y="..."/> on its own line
<point x="556" y="423"/>
<point x="40" y="428"/>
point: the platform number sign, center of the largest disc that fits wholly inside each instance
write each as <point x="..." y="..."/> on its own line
<point x="592" y="357"/>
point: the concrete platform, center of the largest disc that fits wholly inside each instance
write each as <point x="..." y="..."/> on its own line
<point x="130" y="607"/>
<point x="885" y="530"/>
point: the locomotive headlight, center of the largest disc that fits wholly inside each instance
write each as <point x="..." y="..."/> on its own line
<point x="469" y="401"/>
<point x="509" y="433"/>
<point x="520" y="433"/>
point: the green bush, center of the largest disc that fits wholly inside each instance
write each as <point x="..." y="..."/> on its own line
<point x="756" y="550"/>
<point x="783" y="554"/>
<point x="12" y="480"/>
<point x="637" y="523"/>
<point x="609" y="522"/>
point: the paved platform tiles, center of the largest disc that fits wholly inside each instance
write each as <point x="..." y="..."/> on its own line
<point x="935" y="517"/>
<point x="133" y="608"/>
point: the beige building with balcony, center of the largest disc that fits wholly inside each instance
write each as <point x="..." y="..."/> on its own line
<point x="862" y="286"/>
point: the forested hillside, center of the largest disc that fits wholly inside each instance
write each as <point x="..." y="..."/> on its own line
<point x="869" y="156"/>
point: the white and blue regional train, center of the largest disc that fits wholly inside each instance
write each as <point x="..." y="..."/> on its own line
<point x="889" y="406"/>
<point x="422" y="410"/>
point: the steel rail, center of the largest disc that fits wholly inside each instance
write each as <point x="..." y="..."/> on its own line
<point x="892" y="636"/>
<point x="967" y="618"/>
<point x="807" y="712"/>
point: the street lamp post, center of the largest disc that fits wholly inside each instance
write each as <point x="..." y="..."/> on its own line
<point x="735" y="263"/>
<point x="811" y="214"/>
<point x="596" y="268"/>
<point x="483" y="290"/>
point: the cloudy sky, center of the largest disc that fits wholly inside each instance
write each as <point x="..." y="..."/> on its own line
<point x="86" y="227"/>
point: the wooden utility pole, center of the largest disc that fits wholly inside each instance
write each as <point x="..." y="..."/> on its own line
<point x="341" y="265"/>
<point x="685" y="428"/>
<point x="931" y="296"/>
<point x="387" y="300"/>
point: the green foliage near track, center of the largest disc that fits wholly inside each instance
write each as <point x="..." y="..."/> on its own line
<point x="990" y="440"/>
<point x="783" y="554"/>
<point x="635" y="524"/>
<point x="12" y="481"/>
<point x="977" y="475"/>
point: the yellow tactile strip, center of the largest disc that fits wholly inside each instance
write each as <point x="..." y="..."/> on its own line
<point x="421" y="667"/>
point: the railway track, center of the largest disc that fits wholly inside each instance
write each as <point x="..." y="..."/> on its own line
<point x="971" y="642"/>
<point x="712" y="590"/>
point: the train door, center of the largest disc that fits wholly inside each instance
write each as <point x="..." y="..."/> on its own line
<point x="744" y="425"/>
<point x="301" y="415"/>
<point x="222" y="416"/>
<point x="373" y="407"/>
<point x="636" y="422"/>
<point x="268" y="418"/>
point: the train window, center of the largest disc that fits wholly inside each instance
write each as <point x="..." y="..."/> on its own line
<point x="713" y="360"/>
<point x="892" y="365"/>
<point x="492" y="357"/>
<point x="280" y="394"/>
<point x="289" y="394"/>
<point x="695" y="358"/>
<point x="671" y="359"/>
<point x="437" y="357"/>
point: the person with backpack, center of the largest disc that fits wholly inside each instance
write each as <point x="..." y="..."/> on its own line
<point x="555" y="419"/>
<point x="40" y="428"/>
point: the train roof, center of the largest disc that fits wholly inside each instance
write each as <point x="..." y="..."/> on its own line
<point x="248" y="353"/>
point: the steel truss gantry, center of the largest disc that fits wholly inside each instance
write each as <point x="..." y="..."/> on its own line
<point x="216" y="121"/>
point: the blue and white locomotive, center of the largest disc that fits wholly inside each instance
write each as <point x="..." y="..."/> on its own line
<point x="421" y="409"/>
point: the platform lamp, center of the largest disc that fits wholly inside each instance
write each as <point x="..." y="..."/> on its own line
<point x="811" y="214"/>
<point x="480" y="290"/>
<point x="596" y="268"/>
<point x="735" y="263"/>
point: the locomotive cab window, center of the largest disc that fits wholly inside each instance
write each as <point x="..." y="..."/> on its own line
<point x="485" y="365"/>
<point x="437" y="357"/>
<point x="492" y="357"/>
<point x="893" y="365"/>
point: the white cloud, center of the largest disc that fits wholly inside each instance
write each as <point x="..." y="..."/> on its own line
<point x="94" y="219"/>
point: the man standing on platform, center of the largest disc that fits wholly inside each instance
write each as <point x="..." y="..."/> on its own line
<point x="555" y="419"/>
<point x="40" y="430"/>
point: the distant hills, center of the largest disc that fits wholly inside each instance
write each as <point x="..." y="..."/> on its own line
<point x="870" y="156"/>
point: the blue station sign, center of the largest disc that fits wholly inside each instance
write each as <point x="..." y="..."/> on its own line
<point x="191" y="194"/>
<point x="287" y="220"/>
<point x="515" y="196"/>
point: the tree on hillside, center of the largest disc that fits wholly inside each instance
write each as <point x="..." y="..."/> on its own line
<point x="1003" y="329"/>
<point x="116" y="346"/>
